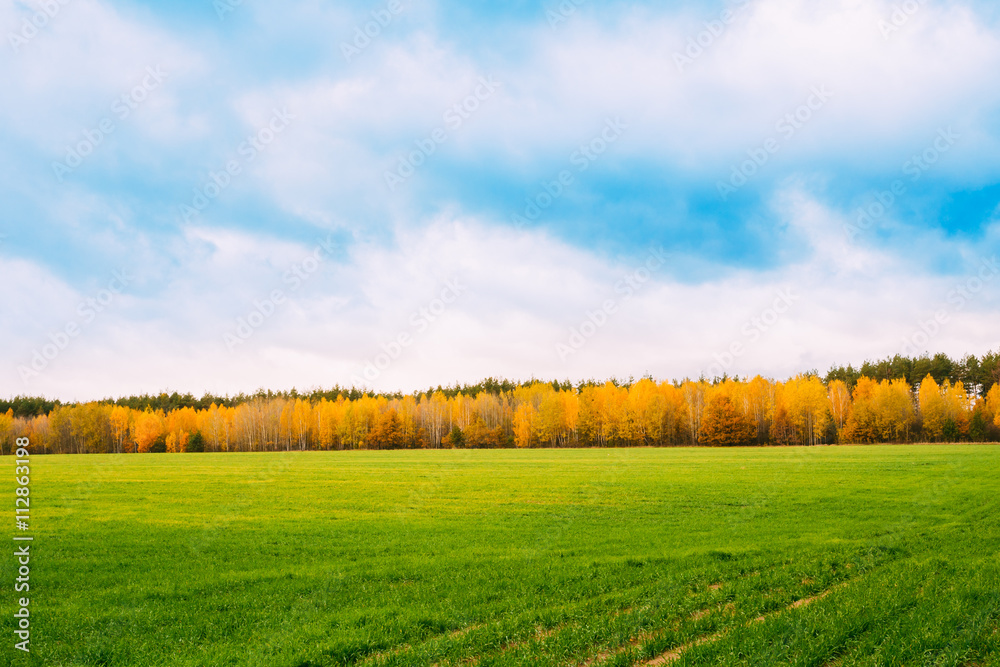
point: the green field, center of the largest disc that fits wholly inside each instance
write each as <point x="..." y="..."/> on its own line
<point x="842" y="556"/>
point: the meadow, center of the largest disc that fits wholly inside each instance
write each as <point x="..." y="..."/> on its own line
<point x="825" y="556"/>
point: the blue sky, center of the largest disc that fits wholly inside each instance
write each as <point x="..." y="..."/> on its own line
<point x="519" y="167"/>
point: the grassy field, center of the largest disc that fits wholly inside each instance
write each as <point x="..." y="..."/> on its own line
<point x="819" y="556"/>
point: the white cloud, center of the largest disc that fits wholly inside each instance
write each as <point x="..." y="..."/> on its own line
<point x="520" y="293"/>
<point x="888" y="94"/>
<point x="69" y="74"/>
<point x="524" y="291"/>
<point x="890" y="97"/>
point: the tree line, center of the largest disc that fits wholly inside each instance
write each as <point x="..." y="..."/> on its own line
<point x="877" y="403"/>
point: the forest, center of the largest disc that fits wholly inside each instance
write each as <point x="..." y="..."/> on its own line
<point x="897" y="400"/>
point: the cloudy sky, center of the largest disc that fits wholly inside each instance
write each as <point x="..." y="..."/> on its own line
<point x="220" y="196"/>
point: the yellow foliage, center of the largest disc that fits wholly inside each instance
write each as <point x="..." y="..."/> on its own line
<point x="146" y="428"/>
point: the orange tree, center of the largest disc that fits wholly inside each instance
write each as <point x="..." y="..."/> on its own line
<point x="725" y="426"/>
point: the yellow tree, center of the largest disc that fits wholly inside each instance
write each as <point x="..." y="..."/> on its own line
<point x="932" y="408"/>
<point x="993" y="403"/>
<point x="672" y="414"/>
<point x="645" y="406"/>
<point x="181" y="423"/>
<point x="694" y="402"/>
<point x="760" y="393"/>
<point x="59" y="438"/>
<point x="285" y="424"/>
<point x="246" y="433"/>
<point x="386" y="433"/>
<point x="121" y="426"/>
<point x="37" y="429"/>
<point x="782" y="430"/>
<point x="571" y="415"/>
<point x="523" y="417"/>
<point x="808" y="407"/>
<point x="724" y="425"/>
<point x="602" y="414"/>
<point x="215" y="425"/>
<point x="329" y="415"/>
<point x="91" y="428"/>
<point x="981" y="422"/>
<point x="411" y="433"/>
<point x="359" y="418"/>
<point x="433" y="413"/>
<point x="957" y="410"/>
<point x="492" y="410"/>
<point x="461" y="409"/>
<point x="6" y="430"/>
<point x="860" y="425"/>
<point x="556" y="417"/>
<point x="840" y="403"/>
<point x="894" y="411"/>
<point x="549" y="423"/>
<point x="296" y="424"/>
<point x="146" y="428"/>
<point x="588" y="419"/>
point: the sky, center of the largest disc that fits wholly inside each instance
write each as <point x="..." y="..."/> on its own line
<point x="220" y="196"/>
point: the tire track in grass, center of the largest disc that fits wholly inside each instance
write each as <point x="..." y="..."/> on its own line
<point x="456" y="635"/>
<point x="643" y="637"/>
<point x="539" y="634"/>
<point x="403" y="648"/>
<point x="562" y="626"/>
<point x="743" y="574"/>
<point x="675" y="654"/>
<point x="799" y="603"/>
<point x="461" y="632"/>
<point x="648" y="635"/>
<point x="605" y="655"/>
<point x="696" y="615"/>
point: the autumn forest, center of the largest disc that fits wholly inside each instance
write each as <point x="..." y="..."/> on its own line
<point x="896" y="400"/>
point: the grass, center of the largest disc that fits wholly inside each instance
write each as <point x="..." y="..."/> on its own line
<point x="803" y="556"/>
